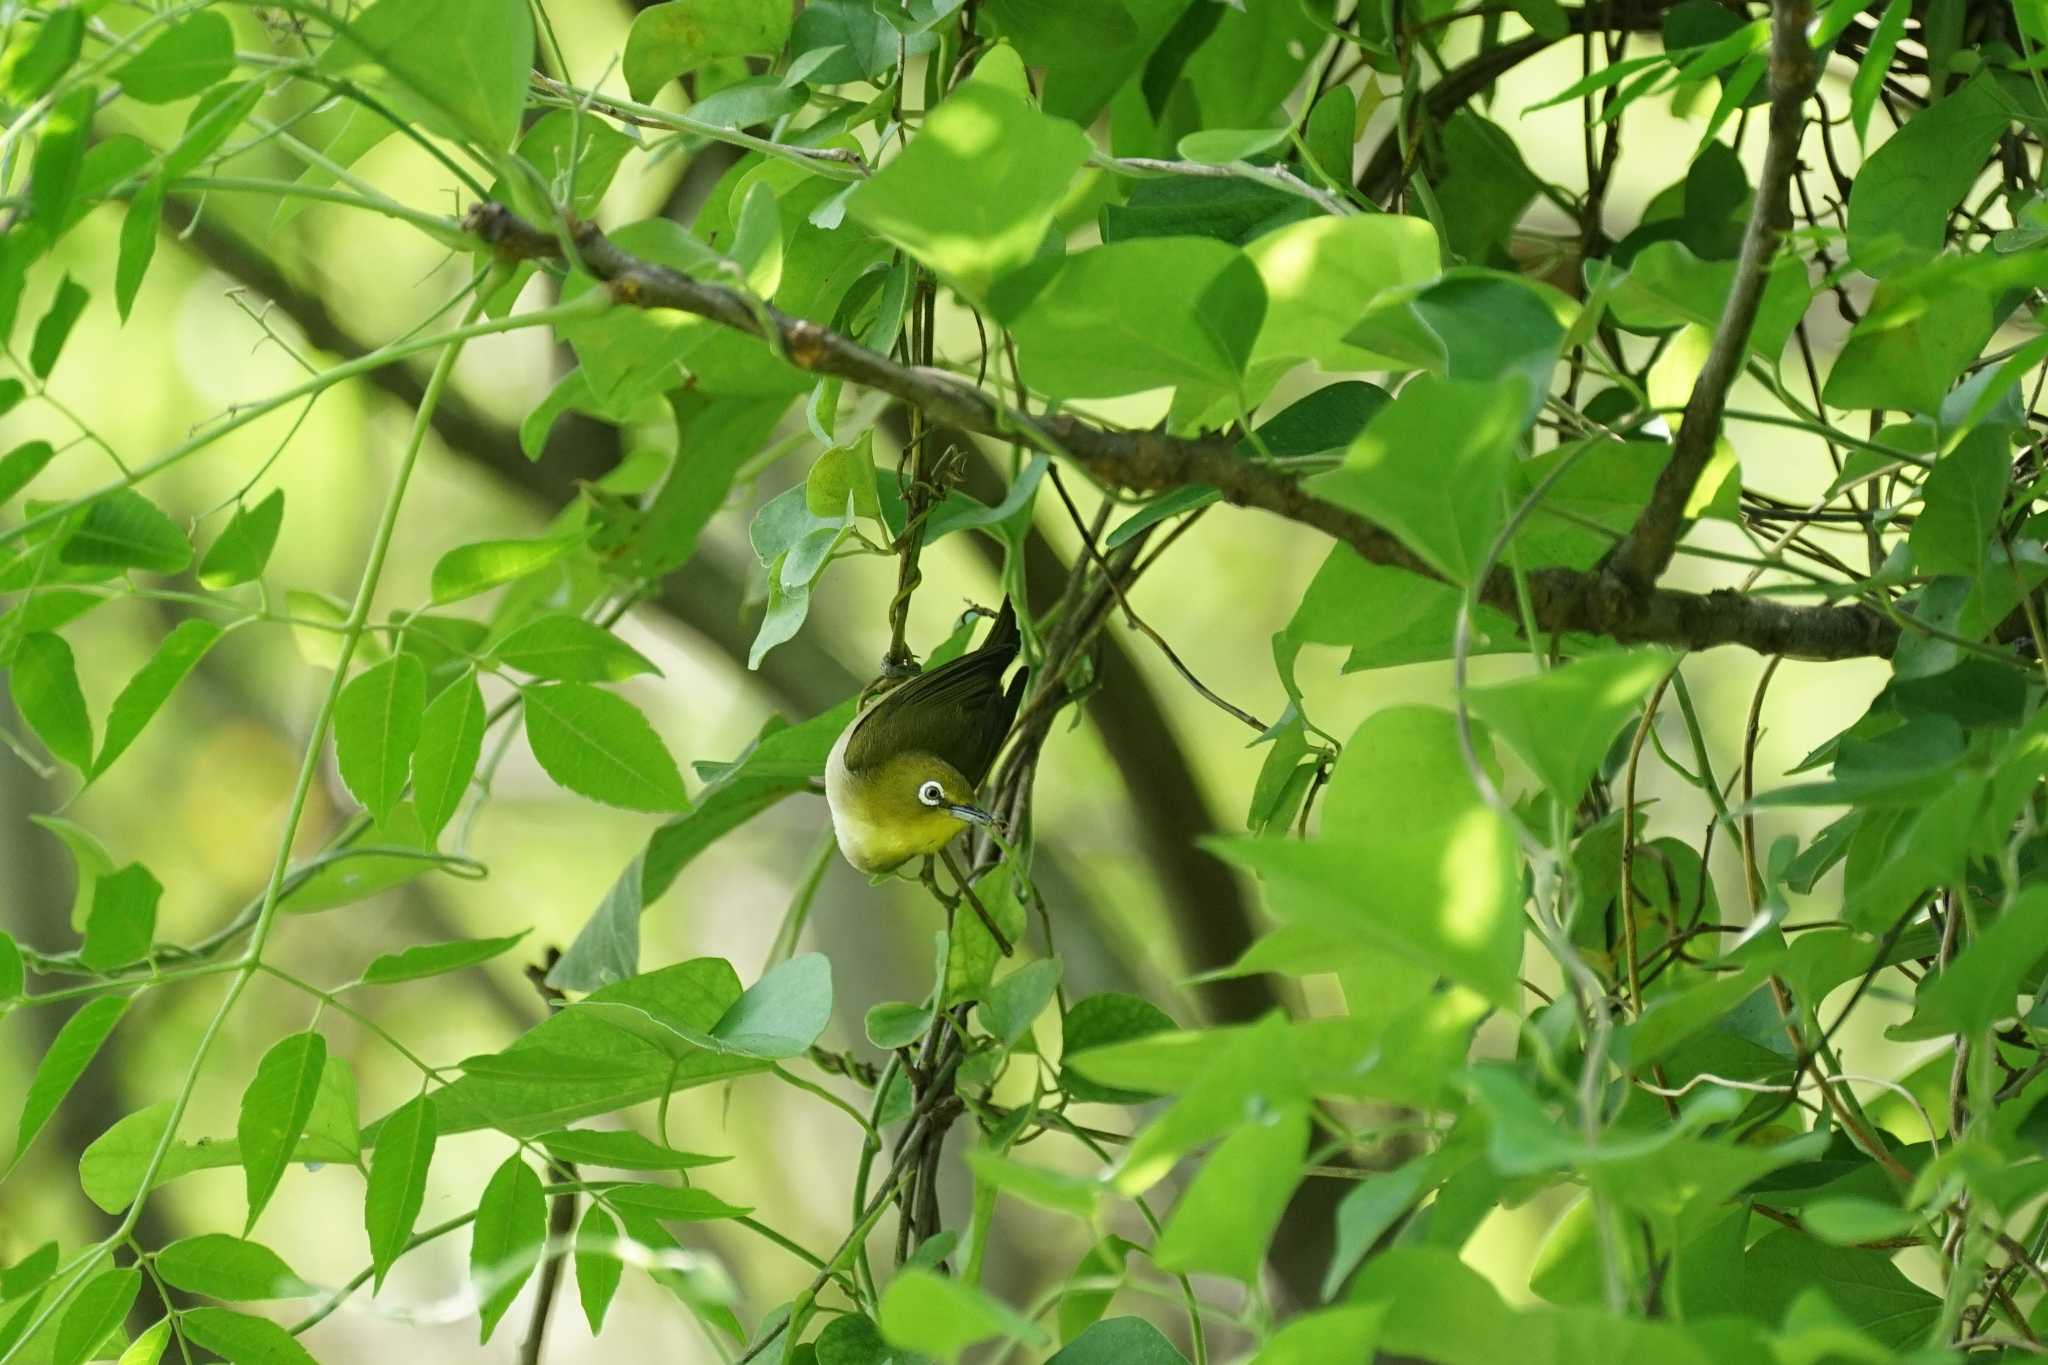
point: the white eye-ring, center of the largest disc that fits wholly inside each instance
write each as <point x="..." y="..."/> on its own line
<point x="932" y="794"/>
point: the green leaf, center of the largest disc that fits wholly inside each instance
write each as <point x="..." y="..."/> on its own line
<point x="851" y="1339"/>
<point x="1060" y="1191"/>
<point x="758" y="99"/>
<point x="563" y="138"/>
<point x="942" y="1317"/>
<point x="1910" y="345"/>
<point x="31" y="69"/>
<point x="848" y="40"/>
<point x="436" y="959"/>
<point x="1399" y="798"/>
<point x="224" y="1267"/>
<point x="124" y="530"/>
<point x="1668" y="285"/>
<point x="398" y="1180"/>
<point x="44" y="680"/>
<point x="896" y="1023"/>
<point x="1225" y="1220"/>
<point x="1487" y="189"/>
<point x="122" y="926"/>
<point x="600" y="746"/>
<point x="783" y="1013"/>
<point x="1561" y="721"/>
<point x="1903" y="194"/>
<point x="275" y="1108"/>
<point x="715" y="437"/>
<point x="669" y="39"/>
<point x="94" y="1315"/>
<point x="152" y="686"/>
<point x="182" y="60"/>
<point x="1980" y="986"/>
<point x="110" y="1170"/>
<point x="244" y="1339"/>
<point x="1868" y="81"/>
<point x="694" y="994"/>
<point x="148" y="1349"/>
<point x="511" y="1227"/>
<point x="1383" y="616"/>
<point x="564" y="648"/>
<point x="54" y="327"/>
<point x="12" y="976"/>
<point x="1961" y="498"/>
<point x="1234" y="211"/>
<point x="621" y="1149"/>
<point x="1221" y="146"/>
<point x="356" y="876"/>
<point x="138" y="243"/>
<point x="377" y="723"/>
<point x="842" y="480"/>
<point x="1125" y="1341"/>
<point x="52" y="188"/>
<point x="974" y="193"/>
<point x="1845" y="1220"/>
<point x="244" y="545"/>
<point x="451" y="740"/>
<point x="30" y="1273"/>
<point x="21" y="465"/>
<point x="73" y="1049"/>
<point x="1146" y="314"/>
<point x="598" y="1267"/>
<point x="89" y="859"/>
<point x="669" y="1204"/>
<point x="317" y="636"/>
<point x="1332" y="1334"/>
<point x="463" y="63"/>
<point x="1322" y="273"/>
<point x="1098" y="1021"/>
<point x="972" y="952"/>
<point x="217" y="114"/>
<point x="1865" y="1287"/>
<point x="1472" y="324"/>
<point x="1018" y="999"/>
<point x="1372" y="1206"/>
<point x="1431" y="468"/>
<point x="470" y="569"/>
<point x="1331" y="133"/>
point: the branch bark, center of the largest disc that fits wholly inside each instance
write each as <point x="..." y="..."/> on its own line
<point x="1151" y="461"/>
<point x="1642" y="557"/>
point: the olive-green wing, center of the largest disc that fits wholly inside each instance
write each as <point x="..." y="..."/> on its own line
<point x="958" y="711"/>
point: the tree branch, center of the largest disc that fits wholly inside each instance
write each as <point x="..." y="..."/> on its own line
<point x="1642" y="557"/>
<point x="1151" y="462"/>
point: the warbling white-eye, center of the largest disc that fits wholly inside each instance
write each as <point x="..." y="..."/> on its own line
<point x="901" y="781"/>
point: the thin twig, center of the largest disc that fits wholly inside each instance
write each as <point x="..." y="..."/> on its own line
<point x="1642" y="558"/>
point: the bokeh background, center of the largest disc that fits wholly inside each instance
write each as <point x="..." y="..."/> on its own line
<point x="239" y="306"/>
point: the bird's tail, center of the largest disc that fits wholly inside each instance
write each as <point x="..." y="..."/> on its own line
<point x="1003" y="638"/>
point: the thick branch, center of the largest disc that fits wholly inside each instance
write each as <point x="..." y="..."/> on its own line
<point x="1642" y="558"/>
<point x="1151" y="461"/>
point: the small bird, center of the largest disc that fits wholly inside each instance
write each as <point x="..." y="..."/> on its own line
<point x="901" y="781"/>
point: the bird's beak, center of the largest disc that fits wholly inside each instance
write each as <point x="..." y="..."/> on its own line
<point x="973" y="815"/>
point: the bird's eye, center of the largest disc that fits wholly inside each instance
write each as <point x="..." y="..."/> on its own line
<point x="932" y="794"/>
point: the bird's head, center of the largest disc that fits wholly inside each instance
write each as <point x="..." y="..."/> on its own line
<point x="913" y="804"/>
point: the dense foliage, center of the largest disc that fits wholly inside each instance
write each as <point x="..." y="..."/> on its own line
<point x="1719" y="334"/>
